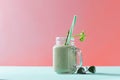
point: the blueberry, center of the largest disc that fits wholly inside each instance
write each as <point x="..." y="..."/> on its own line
<point x="81" y="70"/>
<point x="92" y="69"/>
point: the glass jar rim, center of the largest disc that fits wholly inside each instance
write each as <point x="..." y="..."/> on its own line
<point x="64" y="38"/>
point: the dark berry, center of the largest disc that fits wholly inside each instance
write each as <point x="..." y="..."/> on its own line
<point x="92" y="69"/>
<point x="81" y="70"/>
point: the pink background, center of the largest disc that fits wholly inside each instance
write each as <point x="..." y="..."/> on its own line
<point x="28" y="29"/>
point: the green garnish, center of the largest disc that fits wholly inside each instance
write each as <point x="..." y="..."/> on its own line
<point x="81" y="36"/>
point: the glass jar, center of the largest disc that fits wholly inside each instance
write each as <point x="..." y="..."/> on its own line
<point x="65" y="56"/>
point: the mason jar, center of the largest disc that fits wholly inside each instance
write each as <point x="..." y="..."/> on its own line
<point x="65" y="57"/>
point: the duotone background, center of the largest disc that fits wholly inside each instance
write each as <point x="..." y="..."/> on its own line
<point x="28" y="29"/>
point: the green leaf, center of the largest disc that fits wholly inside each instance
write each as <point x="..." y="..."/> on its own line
<point x="82" y="36"/>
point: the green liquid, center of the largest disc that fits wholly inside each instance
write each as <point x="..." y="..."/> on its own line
<point x="64" y="59"/>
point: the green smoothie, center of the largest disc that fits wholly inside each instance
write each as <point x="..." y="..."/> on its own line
<point x="64" y="59"/>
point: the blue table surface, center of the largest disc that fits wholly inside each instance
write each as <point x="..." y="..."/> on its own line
<point x="47" y="73"/>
